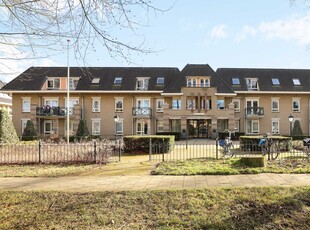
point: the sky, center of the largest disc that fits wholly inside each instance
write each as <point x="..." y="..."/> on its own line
<point x="221" y="33"/>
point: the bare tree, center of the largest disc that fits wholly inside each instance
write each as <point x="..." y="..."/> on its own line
<point x="31" y="29"/>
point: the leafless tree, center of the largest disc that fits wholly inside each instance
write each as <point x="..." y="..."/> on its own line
<point x="31" y="29"/>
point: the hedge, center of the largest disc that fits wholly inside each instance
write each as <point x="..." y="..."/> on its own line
<point x="234" y="135"/>
<point x="177" y="135"/>
<point x="141" y="144"/>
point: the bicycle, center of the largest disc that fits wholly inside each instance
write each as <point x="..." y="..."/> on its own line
<point x="269" y="146"/>
<point x="227" y="145"/>
<point x="306" y="143"/>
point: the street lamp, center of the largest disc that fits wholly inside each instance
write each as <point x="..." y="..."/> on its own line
<point x="290" y="119"/>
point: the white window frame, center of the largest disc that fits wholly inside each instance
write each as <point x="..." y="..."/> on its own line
<point x="235" y="81"/>
<point x="217" y="104"/>
<point x="178" y="104"/>
<point x="72" y="103"/>
<point x="53" y="129"/>
<point x="94" y="100"/>
<point x="73" y="82"/>
<point x="95" y="80"/>
<point x="236" y="108"/>
<point x="298" y="102"/>
<point x="160" y="126"/>
<point x="26" y="104"/>
<point x="276" y="100"/>
<point x="95" y="121"/>
<point x="160" y="81"/>
<point x="116" y="100"/>
<point x="118" y="80"/>
<point x="144" y="83"/>
<point x="160" y="105"/>
<point x="237" y="125"/>
<point x="142" y="122"/>
<point x="250" y="82"/>
<point x="296" y="81"/>
<point x="252" y="131"/>
<point x="119" y="127"/>
<point x="24" y="124"/>
<point x="275" y="81"/>
<point x="53" y="83"/>
<point x="51" y="101"/>
<point x="190" y="104"/>
<point x="275" y="120"/>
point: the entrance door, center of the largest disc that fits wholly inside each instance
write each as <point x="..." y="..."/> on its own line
<point x="142" y="127"/>
<point x="198" y="128"/>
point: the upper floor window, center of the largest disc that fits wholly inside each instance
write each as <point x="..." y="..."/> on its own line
<point x="118" y="80"/>
<point x="236" y="103"/>
<point x="275" y="104"/>
<point x="176" y="104"/>
<point x="53" y="83"/>
<point x="96" y="104"/>
<point x="96" y="80"/>
<point x="119" y="104"/>
<point x="198" y="82"/>
<point x="190" y="104"/>
<point x="296" y="104"/>
<point x="296" y="81"/>
<point x="26" y="105"/>
<point x="73" y="82"/>
<point x="220" y="104"/>
<point x="160" y="81"/>
<point x="275" y="81"/>
<point x="252" y="83"/>
<point x="160" y="105"/>
<point x="235" y="81"/>
<point x="142" y="83"/>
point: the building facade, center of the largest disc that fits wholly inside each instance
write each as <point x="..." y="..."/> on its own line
<point x="196" y="101"/>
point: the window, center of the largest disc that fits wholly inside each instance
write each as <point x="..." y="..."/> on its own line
<point x="275" y="81"/>
<point x="237" y="126"/>
<point x="296" y="104"/>
<point x="96" y="80"/>
<point x="51" y="102"/>
<point x="71" y="132"/>
<point x="191" y="82"/>
<point x="175" y="125"/>
<point x="160" y="81"/>
<point x="275" y="104"/>
<point x="119" y="128"/>
<point x="96" y="104"/>
<point x="198" y="82"/>
<point x="236" y="103"/>
<point x="190" y="104"/>
<point x="53" y="83"/>
<point x="176" y="104"/>
<point x="143" y="107"/>
<point x="72" y="103"/>
<point x="220" y="104"/>
<point x="118" y="80"/>
<point x="235" y="81"/>
<point x="95" y="126"/>
<point x="296" y="81"/>
<point x="26" y="104"/>
<point x="204" y="83"/>
<point x="275" y="124"/>
<point x="118" y="104"/>
<point x="252" y="126"/>
<point x="50" y="126"/>
<point x="142" y="83"/>
<point x="160" y="126"/>
<point x="252" y="83"/>
<point x="142" y="127"/>
<point x="73" y="82"/>
<point x="160" y="105"/>
<point x="24" y="124"/>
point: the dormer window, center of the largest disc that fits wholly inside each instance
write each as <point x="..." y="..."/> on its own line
<point x="96" y="80"/>
<point x="252" y="84"/>
<point x="118" y="80"/>
<point x="53" y="83"/>
<point x="73" y="82"/>
<point x="142" y="83"/>
<point x="198" y="82"/>
<point x="296" y="81"/>
<point x="160" y="81"/>
<point x="235" y="81"/>
<point x="275" y="81"/>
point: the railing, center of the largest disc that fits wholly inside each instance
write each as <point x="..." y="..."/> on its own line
<point x="254" y="111"/>
<point x="53" y="111"/>
<point x="141" y="111"/>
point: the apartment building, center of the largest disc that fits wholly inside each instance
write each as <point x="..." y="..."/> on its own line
<point x="196" y="101"/>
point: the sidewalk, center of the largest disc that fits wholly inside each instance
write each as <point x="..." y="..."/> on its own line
<point x="141" y="182"/>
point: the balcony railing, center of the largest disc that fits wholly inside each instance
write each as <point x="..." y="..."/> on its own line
<point x="254" y="111"/>
<point x="141" y="111"/>
<point x="53" y="111"/>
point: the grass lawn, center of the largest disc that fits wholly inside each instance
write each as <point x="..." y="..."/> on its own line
<point x="228" y="167"/>
<point x="238" y="208"/>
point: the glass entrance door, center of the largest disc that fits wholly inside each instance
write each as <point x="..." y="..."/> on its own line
<point x="197" y="128"/>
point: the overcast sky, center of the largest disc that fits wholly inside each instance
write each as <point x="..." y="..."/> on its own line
<point x="222" y="33"/>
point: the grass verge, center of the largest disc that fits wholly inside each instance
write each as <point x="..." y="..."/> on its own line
<point x="228" y="167"/>
<point x="238" y="208"/>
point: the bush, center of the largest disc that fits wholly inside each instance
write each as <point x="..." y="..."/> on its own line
<point x="7" y="131"/>
<point x="297" y="131"/>
<point x="82" y="132"/>
<point x="141" y="144"/>
<point x="29" y="132"/>
<point x="253" y="161"/>
<point x="177" y="135"/>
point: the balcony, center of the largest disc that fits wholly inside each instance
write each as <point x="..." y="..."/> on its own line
<point x="254" y="112"/>
<point x="47" y="111"/>
<point x="141" y="111"/>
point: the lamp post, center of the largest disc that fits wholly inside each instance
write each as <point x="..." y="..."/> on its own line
<point x="290" y="119"/>
<point x="116" y="119"/>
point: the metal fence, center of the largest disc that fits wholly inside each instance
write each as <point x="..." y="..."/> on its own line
<point x="39" y="152"/>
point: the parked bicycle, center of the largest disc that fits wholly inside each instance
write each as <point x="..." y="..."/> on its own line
<point x="269" y="146"/>
<point x="227" y="145"/>
<point x="306" y="143"/>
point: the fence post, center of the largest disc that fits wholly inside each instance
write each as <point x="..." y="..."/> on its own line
<point x="217" y="148"/>
<point x="186" y="144"/>
<point x="163" y="150"/>
<point x="150" y="150"/>
<point x="40" y="151"/>
<point x="95" y="152"/>
<point x="119" y="150"/>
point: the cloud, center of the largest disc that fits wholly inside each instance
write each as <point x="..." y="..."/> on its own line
<point x="293" y="29"/>
<point x="219" y="31"/>
<point x="245" y="33"/>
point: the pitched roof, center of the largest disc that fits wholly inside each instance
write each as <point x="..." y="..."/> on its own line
<point x="265" y="76"/>
<point x="199" y="70"/>
<point x="34" y="77"/>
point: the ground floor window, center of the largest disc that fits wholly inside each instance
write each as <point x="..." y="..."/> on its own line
<point x="71" y="132"/>
<point x="222" y="124"/>
<point x="275" y="126"/>
<point x="160" y="126"/>
<point x="50" y="127"/>
<point x="252" y="126"/>
<point x="119" y="128"/>
<point x="175" y="125"/>
<point x="237" y="126"/>
<point x="95" y="124"/>
<point x="142" y="127"/>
